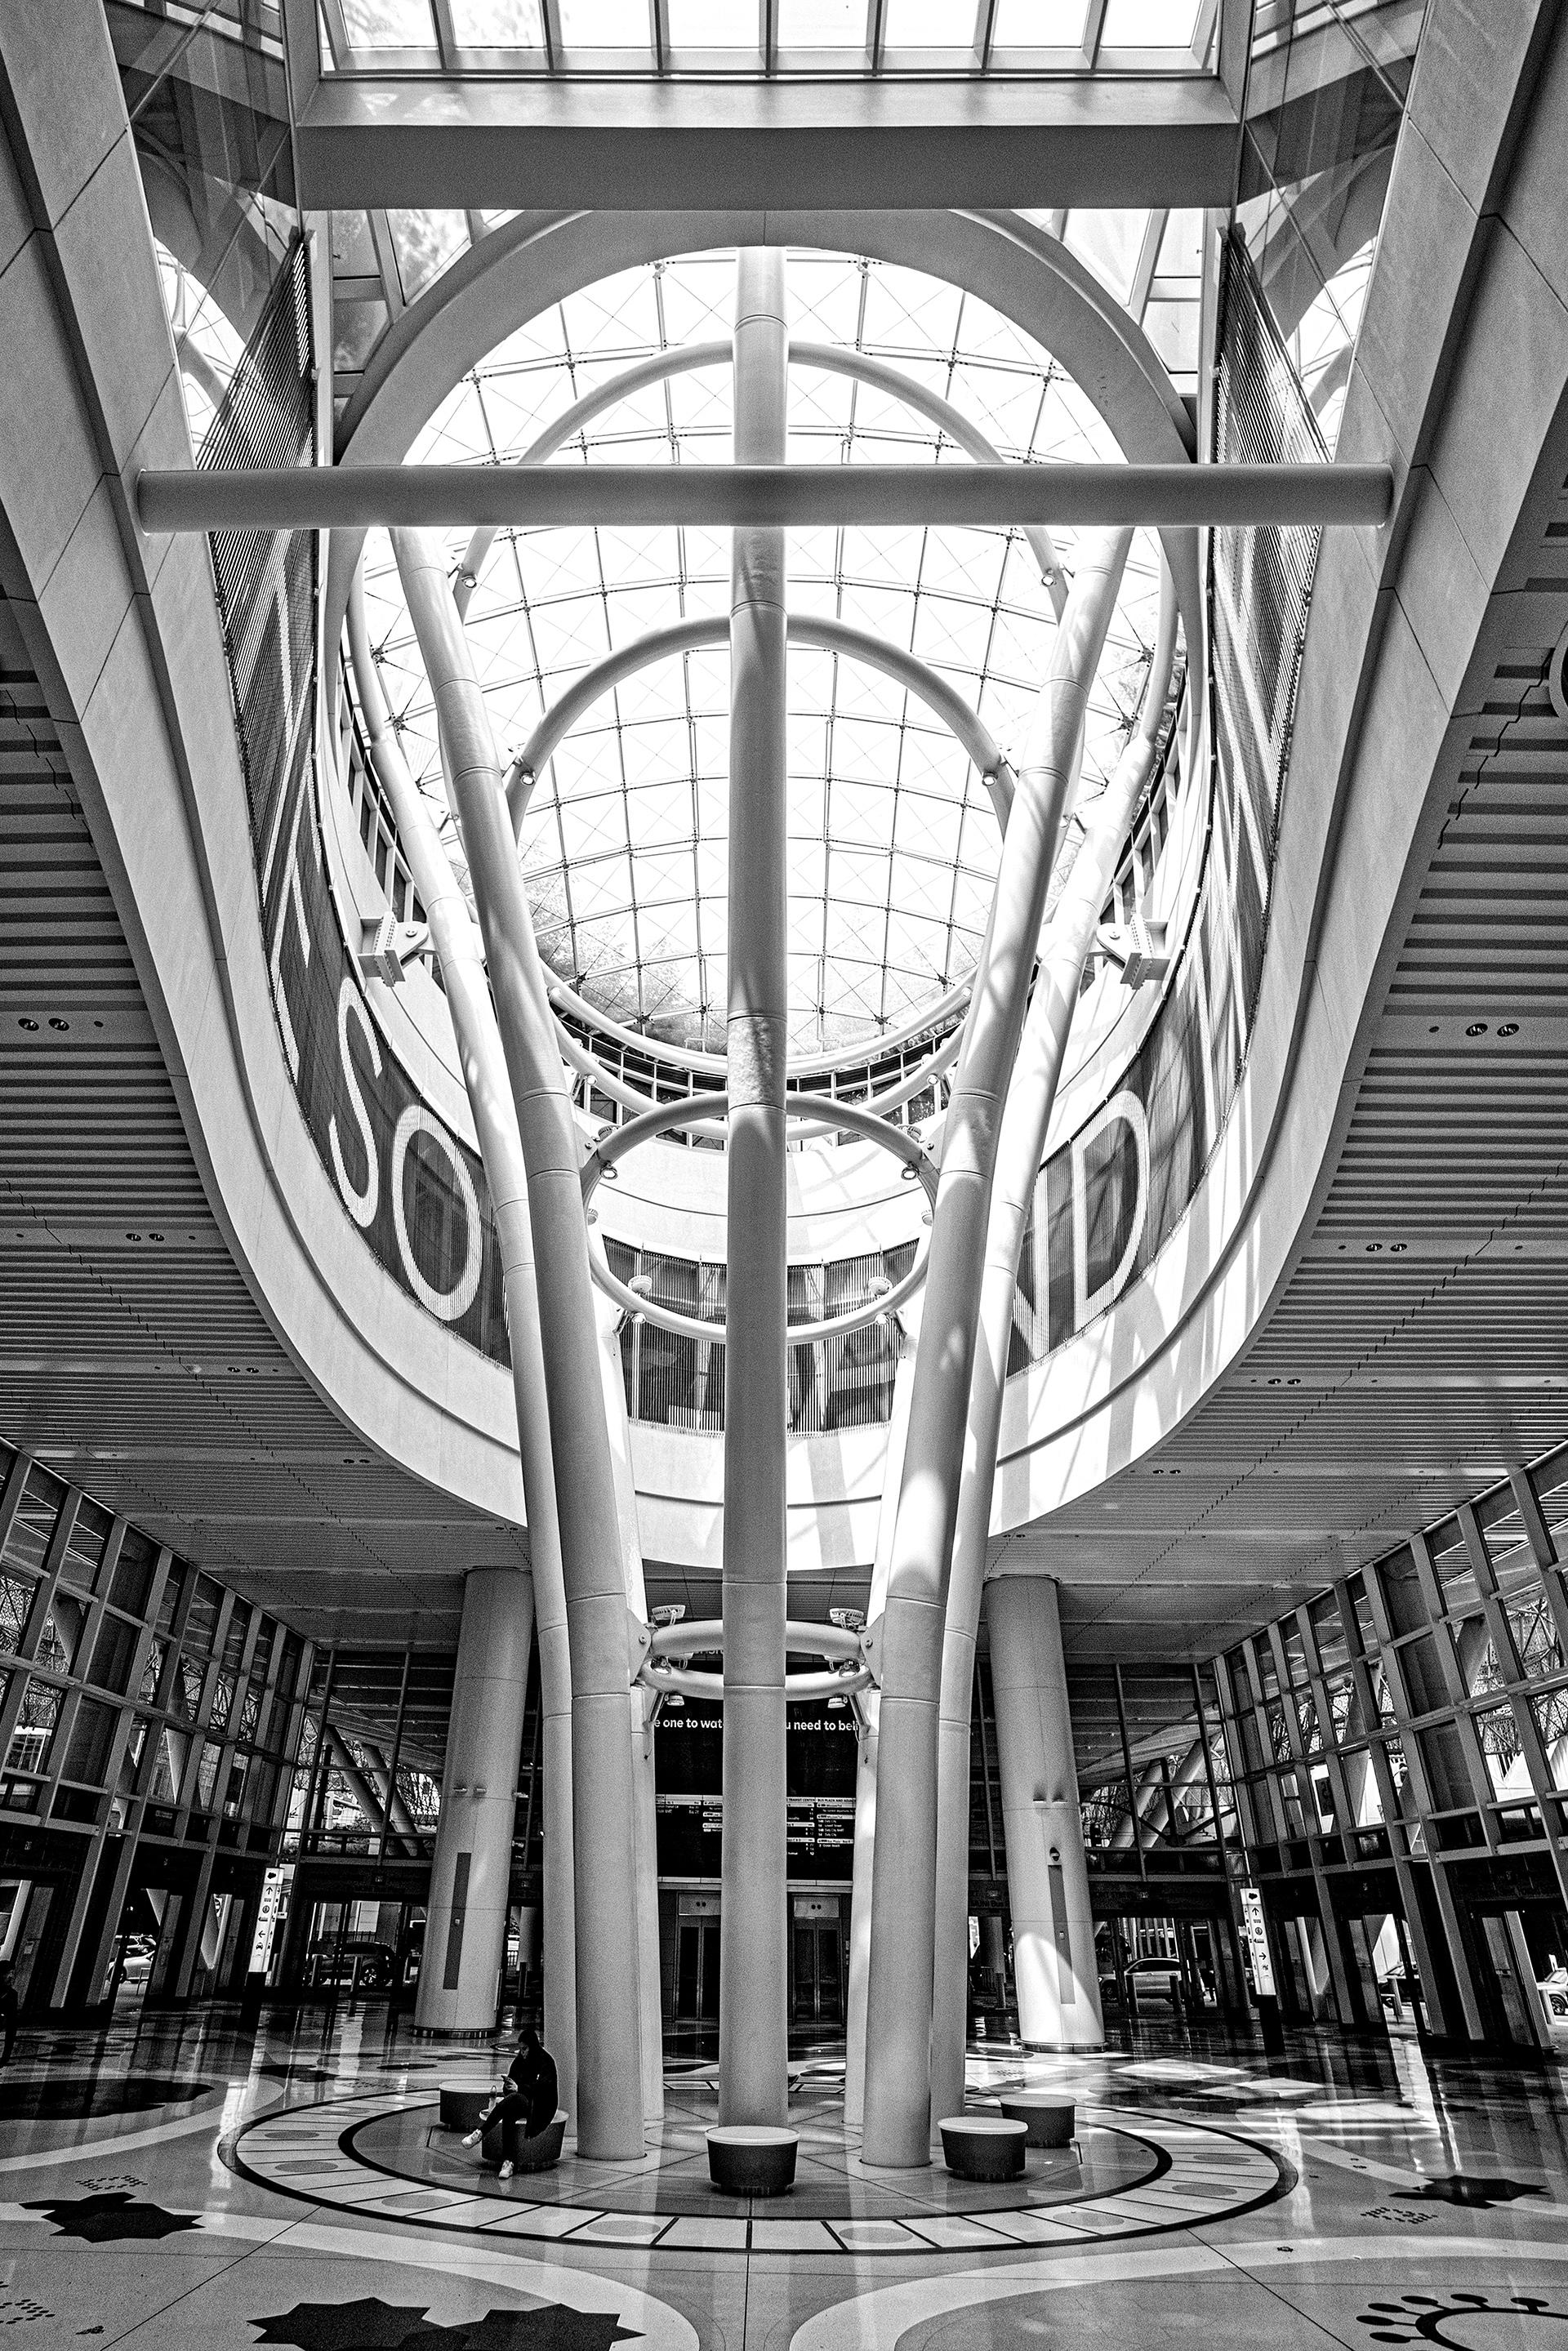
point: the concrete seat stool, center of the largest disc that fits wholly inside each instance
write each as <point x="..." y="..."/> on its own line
<point x="540" y="2153"/>
<point x="1050" y="2121"/>
<point x="462" y="2105"/>
<point x="983" y="2147"/>
<point x="751" y="2158"/>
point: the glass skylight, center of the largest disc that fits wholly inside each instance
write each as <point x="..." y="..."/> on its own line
<point x="893" y="839"/>
<point x="836" y="36"/>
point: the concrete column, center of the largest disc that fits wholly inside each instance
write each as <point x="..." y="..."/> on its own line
<point x="465" y="1925"/>
<point x="608" y="2024"/>
<point x="1020" y="1151"/>
<point x="866" y="1769"/>
<point x="478" y="1036"/>
<point x="1048" y="1881"/>
<point x="753" y="1927"/>
<point x="904" y="1898"/>
<point x="638" y="1708"/>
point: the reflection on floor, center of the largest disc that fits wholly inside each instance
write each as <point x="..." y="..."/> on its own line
<point x="185" y="2184"/>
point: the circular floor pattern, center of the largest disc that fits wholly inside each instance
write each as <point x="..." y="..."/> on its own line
<point x="381" y="2153"/>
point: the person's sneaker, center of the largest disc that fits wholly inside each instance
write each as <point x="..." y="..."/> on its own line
<point x="473" y="2138"/>
<point x="506" y="2168"/>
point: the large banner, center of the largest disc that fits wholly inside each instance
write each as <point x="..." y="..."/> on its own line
<point x="1111" y="1196"/>
<point x="415" y="1191"/>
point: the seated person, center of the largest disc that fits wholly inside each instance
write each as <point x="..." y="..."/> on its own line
<point x="526" y="2095"/>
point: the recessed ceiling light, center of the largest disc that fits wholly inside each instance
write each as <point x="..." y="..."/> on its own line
<point x="1507" y="1027"/>
<point x="1373" y="1248"/>
<point x="1477" y="1028"/>
<point x="31" y="1026"/>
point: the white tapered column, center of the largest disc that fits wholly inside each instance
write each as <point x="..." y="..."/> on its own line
<point x="1054" y="1967"/>
<point x="753" y="2024"/>
<point x="1067" y="943"/>
<point x="609" y="2023"/>
<point x="468" y="1000"/>
<point x="903" y="1898"/>
<point x="870" y="1703"/>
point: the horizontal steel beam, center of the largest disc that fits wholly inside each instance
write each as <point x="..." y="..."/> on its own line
<point x="633" y="144"/>
<point x="361" y="497"/>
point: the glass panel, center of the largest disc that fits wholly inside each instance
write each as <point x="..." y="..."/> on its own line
<point x="152" y="1671"/>
<point x="62" y="1628"/>
<point x="1149" y="23"/>
<point x="35" y="1521"/>
<point x="1550" y="1480"/>
<point x="714" y="24"/>
<point x="202" y="1621"/>
<point x="1399" y="1772"/>
<point x="1361" y="1786"/>
<point x="389" y="24"/>
<point x="1329" y="1634"/>
<point x="821" y="24"/>
<point x="133" y="1579"/>
<point x="1311" y="1729"/>
<point x="1295" y="1650"/>
<point x="1401" y="1588"/>
<point x="92" y="1736"/>
<point x="1447" y="1775"/>
<point x="1290" y="1800"/>
<point x="926" y="25"/>
<point x="169" y="1604"/>
<point x="498" y="23"/>
<point x="1551" y="1721"/>
<point x="1424" y="1683"/>
<point x="1501" y="1745"/>
<point x="16" y="1599"/>
<point x="208" y="1774"/>
<point x="1477" y="1653"/>
<point x="114" y="1653"/>
<point x="1362" y="1606"/>
<point x="1110" y="243"/>
<point x="85" y="1549"/>
<point x="1040" y="24"/>
<point x="34" y="1734"/>
<point x="1535" y="1634"/>
<point x="425" y="244"/>
<point x="604" y="24"/>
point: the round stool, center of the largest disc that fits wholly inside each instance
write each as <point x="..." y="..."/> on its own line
<point x="983" y="2147"/>
<point x="751" y="2159"/>
<point x="1050" y="2121"/>
<point x="462" y="2105"/>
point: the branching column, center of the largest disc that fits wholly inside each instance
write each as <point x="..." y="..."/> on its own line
<point x="752" y="1950"/>
<point x="608" y="2035"/>
<point x="1066" y="950"/>
<point x="457" y="944"/>
<point x="903" y="1878"/>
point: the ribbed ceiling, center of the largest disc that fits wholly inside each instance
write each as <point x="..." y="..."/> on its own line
<point x="1419" y="1346"/>
<point x="132" y="1355"/>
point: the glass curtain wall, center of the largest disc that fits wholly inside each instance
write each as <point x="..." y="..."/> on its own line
<point x="149" y="1718"/>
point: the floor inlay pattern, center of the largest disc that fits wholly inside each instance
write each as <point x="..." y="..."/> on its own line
<point x="380" y="2152"/>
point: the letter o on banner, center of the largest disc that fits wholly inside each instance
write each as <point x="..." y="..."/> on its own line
<point x="450" y="1305"/>
<point x="1124" y="1110"/>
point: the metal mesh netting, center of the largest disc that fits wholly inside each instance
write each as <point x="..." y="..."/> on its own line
<point x="416" y="1192"/>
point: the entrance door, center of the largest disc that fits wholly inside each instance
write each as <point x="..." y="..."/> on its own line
<point x="696" y="1970"/>
<point x="819" y="1980"/>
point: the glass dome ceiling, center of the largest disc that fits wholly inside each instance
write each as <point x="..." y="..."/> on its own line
<point x="893" y="840"/>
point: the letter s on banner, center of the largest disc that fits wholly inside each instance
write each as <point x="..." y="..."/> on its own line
<point x="361" y="1206"/>
<point x="450" y="1305"/>
<point x="1126" y="1110"/>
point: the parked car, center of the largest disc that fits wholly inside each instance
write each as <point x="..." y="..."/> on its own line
<point x="361" y="1961"/>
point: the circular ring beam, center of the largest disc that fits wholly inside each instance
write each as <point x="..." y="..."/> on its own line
<point x="537" y="259"/>
<point x="681" y="1681"/>
<point x="800" y="1639"/>
<point x="665" y="1117"/>
<point x="825" y="634"/>
<point x="688" y="358"/>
